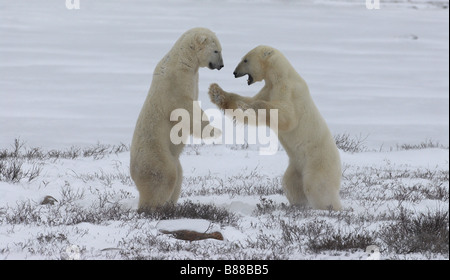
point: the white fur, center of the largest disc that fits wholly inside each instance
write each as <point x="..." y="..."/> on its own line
<point x="314" y="172"/>
<point x="154" y="164"/>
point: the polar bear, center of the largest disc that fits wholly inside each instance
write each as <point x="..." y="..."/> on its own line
<point x="154" y="160"/>
<point x="314" y="173"/>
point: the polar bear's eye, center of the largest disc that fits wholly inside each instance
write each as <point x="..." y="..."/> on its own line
<point x="216" y="51"/>
<point x="245" y="60"/>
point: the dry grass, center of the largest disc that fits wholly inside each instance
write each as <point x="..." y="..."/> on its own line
<point x="386" y="211"/>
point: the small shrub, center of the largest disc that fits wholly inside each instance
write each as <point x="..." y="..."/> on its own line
<point x="69" y="195"/>
<point x="427" y="144"/>
<point x="321" y="236"/>
<point x="98" y="151"/>
<point x="27" y="213"/>
<point x="51" y="237"/>
<point x="350" y="144"/>
<point x="13" y="170"/>
<point x="341" y="241"/>
<point x="426" y="232"/>
<point x="265" y="206"/>
<point x="192" y="210"/>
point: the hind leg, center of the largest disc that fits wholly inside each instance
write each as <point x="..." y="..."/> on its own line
<point x="293" y="186"/>
<point x="177" y="188"/>
<point x="322" y="192"/>
<point x="156" y="186"/>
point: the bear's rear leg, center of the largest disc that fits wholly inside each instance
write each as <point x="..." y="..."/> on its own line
<point x="293" y="186"/>
<point x="177" y="189"/>
<point x="322" y="194"/>
<point x="330" y="201"/>
<point x="157" y="189"/>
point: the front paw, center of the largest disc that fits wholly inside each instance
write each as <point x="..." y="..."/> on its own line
<point x="217" y="96"/>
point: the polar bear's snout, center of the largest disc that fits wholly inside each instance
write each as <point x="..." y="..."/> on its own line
<point x="216" y="62"/>
<point x="215" y="66"/>
<point x="239" y="74"/>
<point x="243" y="69"/>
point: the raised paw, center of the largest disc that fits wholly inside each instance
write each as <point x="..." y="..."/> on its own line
<point x="217" y="96"/>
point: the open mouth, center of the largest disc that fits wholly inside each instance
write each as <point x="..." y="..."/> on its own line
<point x="238" y="75"/>
<point x="250" y="79"/>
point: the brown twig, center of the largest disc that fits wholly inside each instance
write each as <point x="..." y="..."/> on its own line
<point x="190" y="235"/>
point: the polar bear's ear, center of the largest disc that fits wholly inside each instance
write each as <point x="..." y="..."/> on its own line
<point x="267" y="52"/>
<point x="201" y="39"/>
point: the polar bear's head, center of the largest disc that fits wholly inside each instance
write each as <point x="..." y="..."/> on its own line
<point x="254" y="64"/>
<point x="207" y="48"/>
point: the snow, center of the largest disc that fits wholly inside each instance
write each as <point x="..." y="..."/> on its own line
<point x="74" y="78"/>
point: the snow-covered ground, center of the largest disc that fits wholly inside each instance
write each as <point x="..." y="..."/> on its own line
<point x="70" y="79"/>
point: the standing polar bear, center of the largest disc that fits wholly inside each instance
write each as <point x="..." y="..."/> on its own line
<point x="154" y="160"/>
<point x="314" y="172"/>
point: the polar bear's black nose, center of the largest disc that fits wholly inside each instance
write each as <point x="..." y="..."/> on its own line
<point x="235" y="74"/>
<point x="220" y="67"/>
